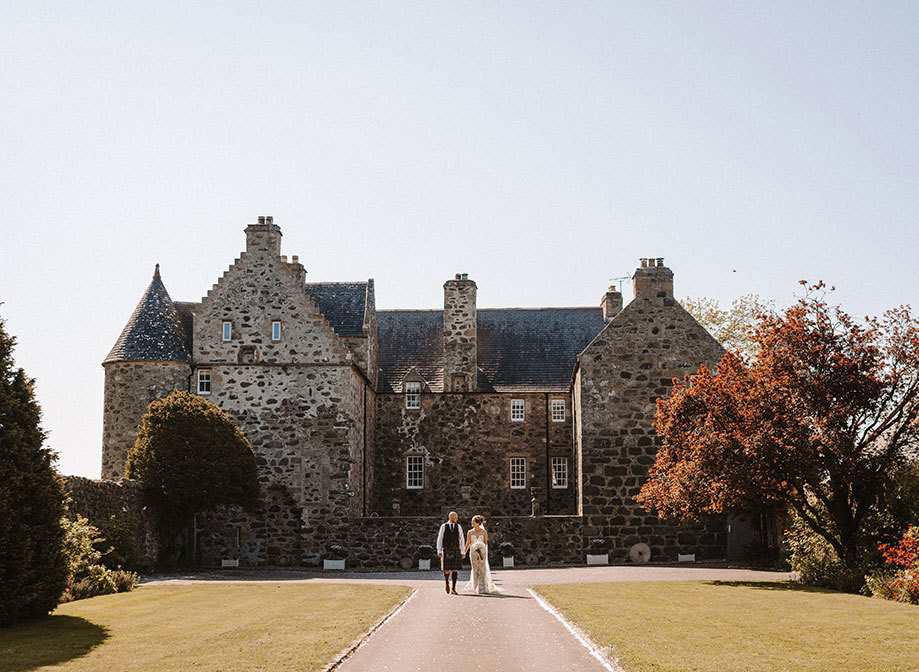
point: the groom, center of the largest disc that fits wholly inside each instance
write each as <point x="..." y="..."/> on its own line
<point x="450" y="544"/>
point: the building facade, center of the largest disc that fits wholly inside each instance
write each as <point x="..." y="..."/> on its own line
<point x="366" y="423"/>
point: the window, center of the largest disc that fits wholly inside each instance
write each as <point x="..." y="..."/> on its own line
<point x="559" y="472"/>
<point x="413" y="395"/>
<point x="414" y="472"/>
<point x="204" y="381"/>
<point x="276" y="330"/>
<point x="227" y="331"/>
<point x="518" y="472"/>
<point x="518" y="410"/>
<point x="558" y="410"/>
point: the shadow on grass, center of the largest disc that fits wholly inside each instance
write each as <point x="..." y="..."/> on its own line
<point x="48" y="641"/>
<point x="772" y="585"/>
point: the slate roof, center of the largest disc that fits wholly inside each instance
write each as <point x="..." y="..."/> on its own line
<point x="342" y="304"/>
<point x="519" y="349"/>
<point x="155" y="330"/>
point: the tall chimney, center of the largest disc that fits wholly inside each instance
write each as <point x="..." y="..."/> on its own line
<point x="460" y="357"/>
<point x="653" y="280"/>
<point x="611" y="304"/>
<point x="264" y="237"/>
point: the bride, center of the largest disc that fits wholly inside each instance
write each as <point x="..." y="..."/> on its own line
<point x="477" y="548"/>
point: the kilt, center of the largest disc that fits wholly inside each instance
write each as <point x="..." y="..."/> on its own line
<point x="452" y="560"/>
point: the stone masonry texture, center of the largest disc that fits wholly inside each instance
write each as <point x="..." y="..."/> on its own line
<point x="319" y="391"/>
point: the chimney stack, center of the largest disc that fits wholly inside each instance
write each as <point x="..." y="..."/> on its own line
<point x="460" y="346"/>
<point x="653" y="280"/>
<point x="264" y="237"/>
<point x="611" y="303"/>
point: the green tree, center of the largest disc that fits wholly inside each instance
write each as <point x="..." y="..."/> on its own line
<point x="33" y="571"/>
<point x="731" y="326"/>
<point x="190" y="457"/>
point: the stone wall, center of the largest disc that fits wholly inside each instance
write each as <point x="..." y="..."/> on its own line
<point x="99" y="500"/>
<point x="130" y="386"/>
<point x="622" y="373"/>
<point x="467" y="441"/>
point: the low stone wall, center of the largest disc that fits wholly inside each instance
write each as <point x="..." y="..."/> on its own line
<point x="99" y="500"/>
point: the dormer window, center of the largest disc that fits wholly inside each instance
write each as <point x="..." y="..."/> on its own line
<point x="413" y="396"/>
<point x="276" y="330"/>
<point x="226" y="331"/>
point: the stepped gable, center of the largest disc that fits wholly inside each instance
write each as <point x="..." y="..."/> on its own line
<point x="519" y="349"/>
<point x="155" y="330"/>
<point x="343" y="304"/>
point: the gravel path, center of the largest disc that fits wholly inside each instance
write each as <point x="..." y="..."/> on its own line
<point x="509" y="632"/>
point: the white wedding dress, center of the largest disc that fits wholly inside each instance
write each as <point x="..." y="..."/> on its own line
<point x="480" y="581"/>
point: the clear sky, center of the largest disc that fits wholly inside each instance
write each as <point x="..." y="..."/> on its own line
<point x="540" y="147"/>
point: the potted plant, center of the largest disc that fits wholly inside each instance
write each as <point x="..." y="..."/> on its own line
<point x="334" y="557"/>
<point x="506" y="549"/>
<point x="598" y="554"/>
<point x="425" y="553"/>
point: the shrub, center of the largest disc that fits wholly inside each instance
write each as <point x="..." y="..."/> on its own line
<point x="506" y="549"/>
<point x="190" y="457"/>
<point x="33" y="571"/>
<point x="81" y="541"/>
<point x="336" y="552"/>
<point x="817" y="562"/>
<point x="120" y="539"/>
<point x="902" y="582"/>
<point x="425" y="552"/>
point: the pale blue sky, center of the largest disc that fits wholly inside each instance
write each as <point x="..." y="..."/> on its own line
<point x="540" y="147"/>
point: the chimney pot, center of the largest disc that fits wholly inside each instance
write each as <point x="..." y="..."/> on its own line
<point x="261" y="219"/>
<point x="269" y="220"/>
<point x="295" y="259"/>
<point x="284" y="258"/>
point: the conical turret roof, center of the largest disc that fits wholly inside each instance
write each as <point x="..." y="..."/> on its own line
<point x="154" y="330"/>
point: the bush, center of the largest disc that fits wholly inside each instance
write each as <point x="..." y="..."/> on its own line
<point x="120" y="540"/>
<point x="33" y="571"/>
<point x="902" y="582"/>
<point x="817" y="562"/>
<point x="336" y="552"/>
<point x="506" y="549"/>
<point x="190" y="457"/>
<point x="87" y="576"/>
<point x="425" y="552"/>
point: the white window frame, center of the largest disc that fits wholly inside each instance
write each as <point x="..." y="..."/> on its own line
<point x="518" y="410"/>
<point x="226" y="331"/>
<point x="276" y="330"/>
<point x="414" y="472"/>
<point x="204" y="381"/>
<point x="559" y="410"/>
<point x="559" y="473"/>
<point x="412" y="395"/>
<point x="518" y="473"/>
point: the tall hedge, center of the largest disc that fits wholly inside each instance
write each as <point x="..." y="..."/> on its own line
<point x="33" y="570"/>
<point x="190" y="457"/>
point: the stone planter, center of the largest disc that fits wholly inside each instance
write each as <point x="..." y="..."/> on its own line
<point x="508" y="562"/>
<point x="686" y="557"/>
<point x="229" y="562"/>
<point x="598" y="559"/>
<point x="333" y="564"/>
<point x="424" y="564"/>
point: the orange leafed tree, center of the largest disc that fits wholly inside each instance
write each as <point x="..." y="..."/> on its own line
<point x="816" y="419"/>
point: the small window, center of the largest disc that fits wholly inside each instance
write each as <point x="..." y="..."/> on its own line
<point x="413" y="396"/>
<point x="559" y="472"/>
<point x="414" y="472"/>
<point x="227" y="331"/>
<point x="518" y="410"/>
<point x="558" y="410"/>
<point x="204" y="381"/>
<point x="276" y="330"/>
<point x="518" y="472"/>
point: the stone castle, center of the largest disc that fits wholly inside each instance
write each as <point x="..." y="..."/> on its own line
<point x="369" y="425"/>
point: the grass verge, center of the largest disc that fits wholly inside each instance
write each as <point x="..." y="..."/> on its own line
<point x="230" y="627"/>
<point x="696" y="626"/>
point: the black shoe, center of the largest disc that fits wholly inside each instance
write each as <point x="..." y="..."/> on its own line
<point x="454" y="592"/>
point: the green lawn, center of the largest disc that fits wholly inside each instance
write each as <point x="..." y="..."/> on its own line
<point x="217" y="626"/>
<point x="695" y="626"/>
